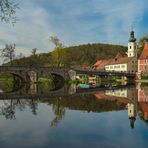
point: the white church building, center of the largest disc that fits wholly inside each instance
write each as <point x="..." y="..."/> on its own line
<point x="123" y="62"/>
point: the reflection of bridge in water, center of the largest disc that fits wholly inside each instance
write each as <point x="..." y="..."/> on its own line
<point x="97" y="99"/>
<point x="33" y="92"/>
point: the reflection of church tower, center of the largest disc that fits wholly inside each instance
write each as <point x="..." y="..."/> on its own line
<point x="132" y="114"/>
<point x="132" y="46"/>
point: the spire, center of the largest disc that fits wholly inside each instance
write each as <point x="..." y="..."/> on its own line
<point x="132" y="38"/>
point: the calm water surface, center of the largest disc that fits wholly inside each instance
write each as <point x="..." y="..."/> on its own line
<point x="86" y="120"/>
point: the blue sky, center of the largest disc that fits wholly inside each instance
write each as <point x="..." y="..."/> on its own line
<point x="74" y="22"/>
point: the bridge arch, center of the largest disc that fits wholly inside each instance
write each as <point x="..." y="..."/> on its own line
<point x="58" y="80"/>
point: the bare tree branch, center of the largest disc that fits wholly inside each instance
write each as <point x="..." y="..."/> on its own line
<point x="8" y="10"/>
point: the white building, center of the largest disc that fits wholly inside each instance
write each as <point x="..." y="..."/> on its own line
<point x="123" y="62"/>
<point x="126" y="63"/>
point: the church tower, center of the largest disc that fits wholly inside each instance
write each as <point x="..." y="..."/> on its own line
<point x="132" y="46"/>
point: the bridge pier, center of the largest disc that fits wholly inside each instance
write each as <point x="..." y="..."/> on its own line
<point x="33" y="76"/>
<point x="72" y="74"/>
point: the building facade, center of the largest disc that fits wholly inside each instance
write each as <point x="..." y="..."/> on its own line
<point x="123" y="62"/>
<point x="143" y="61"/>
<point x="126" y="63"/>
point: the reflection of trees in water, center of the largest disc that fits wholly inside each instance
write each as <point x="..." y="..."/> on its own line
<point x="34" y="106"/>
<point x="9" y="107"/>
<point x="59" y="112"/>
<point x="8" y="110"/>
<point x="89" y="103"/>
<point x="9" y="82"/>
<point x="59" y="105"/>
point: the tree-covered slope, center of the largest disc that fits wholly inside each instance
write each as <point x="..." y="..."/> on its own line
<point x="77" y="55"/>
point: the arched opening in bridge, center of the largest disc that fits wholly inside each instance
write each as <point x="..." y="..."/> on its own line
<point x="50" y="81"/>
<point x="10" y="82"/>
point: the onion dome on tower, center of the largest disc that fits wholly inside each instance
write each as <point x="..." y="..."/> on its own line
<point x="132" y="37"/>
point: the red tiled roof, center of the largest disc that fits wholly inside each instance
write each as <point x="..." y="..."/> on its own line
<point x="120" y="54"/>
<point x="144" y="54"/>
<point x="120" y="60"/>
<point x="100" y="64"/>
<point x="102" y="96"/>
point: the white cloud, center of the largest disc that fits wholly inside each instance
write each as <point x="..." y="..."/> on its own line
<point x="119" y="16"/>
<point x="31" y="31"/>
<point x="74" y="22"/>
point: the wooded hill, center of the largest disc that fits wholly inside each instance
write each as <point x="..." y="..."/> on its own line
<point x="73" y="56"/>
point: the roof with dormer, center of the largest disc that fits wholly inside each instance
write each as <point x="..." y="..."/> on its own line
<point x="123" y="60"/>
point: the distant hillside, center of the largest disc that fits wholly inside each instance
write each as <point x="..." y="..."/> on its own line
<point x="77" y="55"/>
<point x="90" y="53"/>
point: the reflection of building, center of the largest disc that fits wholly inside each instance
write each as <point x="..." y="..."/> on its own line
<point x="117" y="93"/>
<point x="130" y="93"/>
<point x="144" y="108"/>
<point x="143" y="94"/>
<point x="132" y="114"/>
<point x="131" y="110"/>
<point x="143" y="100"/>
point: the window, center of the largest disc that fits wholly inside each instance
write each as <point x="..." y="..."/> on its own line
<point x="130" y="47"/>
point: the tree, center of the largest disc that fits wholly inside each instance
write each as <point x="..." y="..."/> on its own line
<point x="8" y="10"/>
<point x="34" y="58"/>
<point x="141" y="43"/>
<point x="8" y="53"/>
<point x="34" y="50"/>
<point x="59" y="54"/>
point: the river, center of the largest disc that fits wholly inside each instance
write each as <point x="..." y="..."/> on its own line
<point x="114" y="117"/>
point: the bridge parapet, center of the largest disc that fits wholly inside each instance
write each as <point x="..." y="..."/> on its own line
<point x="26" y="72"/>
<point x="104" y="73"/>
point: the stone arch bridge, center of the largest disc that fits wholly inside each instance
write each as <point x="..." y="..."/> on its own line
<point x="29" y="74"/>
